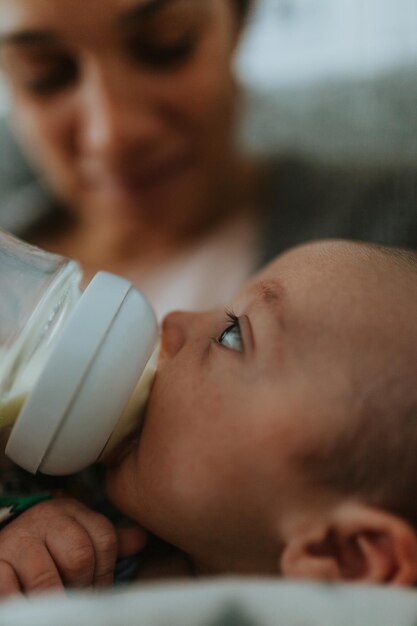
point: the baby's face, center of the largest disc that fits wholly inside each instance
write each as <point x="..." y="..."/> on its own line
<point x="235" y="402"/>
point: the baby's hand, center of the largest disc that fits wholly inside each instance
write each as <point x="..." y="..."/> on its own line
<point x="55" y="544"/>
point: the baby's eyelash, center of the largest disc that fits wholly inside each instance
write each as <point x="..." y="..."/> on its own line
<point x="232" y="317"/>
<point x="233" y="327"/>
<point x="232" y="320"/>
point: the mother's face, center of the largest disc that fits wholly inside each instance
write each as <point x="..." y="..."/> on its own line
<point x="124" y="105"/>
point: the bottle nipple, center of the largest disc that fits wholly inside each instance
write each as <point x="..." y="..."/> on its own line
<point x="132" y="416"/>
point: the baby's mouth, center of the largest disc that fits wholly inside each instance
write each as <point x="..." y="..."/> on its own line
<point x="116" y="456"/>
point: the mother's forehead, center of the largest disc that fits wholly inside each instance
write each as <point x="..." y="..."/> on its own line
<point x="18" y="10"/>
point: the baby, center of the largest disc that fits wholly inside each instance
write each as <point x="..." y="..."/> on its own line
<point x="281" y="436"/>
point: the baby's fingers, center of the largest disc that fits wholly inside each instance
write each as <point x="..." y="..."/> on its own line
<point x="84" y="548"/>
<point x="104" y="541"/>
<point x="105" y="544"/>
<point x="37" y="571"/>
<point x="9" y="582"/>
<point x="132" y="539"/>
<point x="73" y="554"/>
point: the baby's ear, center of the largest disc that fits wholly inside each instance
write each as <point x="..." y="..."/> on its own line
<point x="356" y="543"/>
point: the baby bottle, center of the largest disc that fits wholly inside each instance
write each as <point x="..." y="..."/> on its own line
<point x="76" y="367"/>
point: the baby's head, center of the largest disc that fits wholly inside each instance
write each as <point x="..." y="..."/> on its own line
<point x="285" y="440"/>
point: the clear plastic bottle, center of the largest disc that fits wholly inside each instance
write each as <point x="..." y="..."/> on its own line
<point x="76" y="367"/>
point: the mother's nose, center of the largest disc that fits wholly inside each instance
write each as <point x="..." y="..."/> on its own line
<point x="114" y="120"/>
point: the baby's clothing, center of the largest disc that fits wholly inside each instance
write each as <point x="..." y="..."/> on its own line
<point x="13" y="506"/>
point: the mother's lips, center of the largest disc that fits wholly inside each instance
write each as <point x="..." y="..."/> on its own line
<point x="152" y="175"/>
<point x="140" y="179"/>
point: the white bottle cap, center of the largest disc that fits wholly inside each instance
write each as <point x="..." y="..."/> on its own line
<point x="87" y="381"/>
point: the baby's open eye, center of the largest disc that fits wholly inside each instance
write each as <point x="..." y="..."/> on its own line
<point x="231" y="337"/>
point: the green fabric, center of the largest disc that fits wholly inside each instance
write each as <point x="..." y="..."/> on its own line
<point x="12" y="506"/>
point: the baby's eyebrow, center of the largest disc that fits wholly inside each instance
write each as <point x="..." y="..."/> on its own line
<point x="269" y="290"/>
<point x="272" y="293"/>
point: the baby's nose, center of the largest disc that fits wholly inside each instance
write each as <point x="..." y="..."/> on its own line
<point x="173" y="334"/>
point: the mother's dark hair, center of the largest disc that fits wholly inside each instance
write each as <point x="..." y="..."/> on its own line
<point x="243" y="6"/>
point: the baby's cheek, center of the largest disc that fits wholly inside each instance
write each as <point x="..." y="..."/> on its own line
<point x="158" y="484"/>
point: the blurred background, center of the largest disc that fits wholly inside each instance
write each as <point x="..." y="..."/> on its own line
<point x="333" y="78"/>
<point x="297" y="41"/>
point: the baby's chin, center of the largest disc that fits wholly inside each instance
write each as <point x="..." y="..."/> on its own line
<point x="120" y="480"/>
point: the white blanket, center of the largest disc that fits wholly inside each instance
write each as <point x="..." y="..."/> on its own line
<point x="227" y="602"/>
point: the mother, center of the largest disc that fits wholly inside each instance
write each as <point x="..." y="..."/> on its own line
<point x="128" y="109"/>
